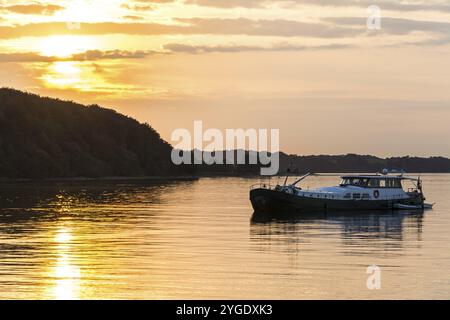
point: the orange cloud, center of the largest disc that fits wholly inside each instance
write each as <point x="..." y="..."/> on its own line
<point x="37" y="9"/>
<point x="241" y="26"/>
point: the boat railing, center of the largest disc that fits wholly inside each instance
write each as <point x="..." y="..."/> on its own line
<point x="267" y="186"/>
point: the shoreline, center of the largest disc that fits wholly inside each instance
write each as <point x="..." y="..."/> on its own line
<point x="166" y="178"/>
<point x="103" y="179"/>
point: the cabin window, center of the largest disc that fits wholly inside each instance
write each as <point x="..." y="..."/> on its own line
<point x="360" y="182"/>
<point x="374" y="183"/>
<point x="347" y="196"/>
<point x="393" y="183"/>
<point x="398" y="183"/>
<point x="366" y="196"/>
<point x="357" y="196"/>
<point x="386" y="183"/>
<point x="389" y="183"/>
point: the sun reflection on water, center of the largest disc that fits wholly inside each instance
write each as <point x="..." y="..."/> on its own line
<point x="65" y="273"/>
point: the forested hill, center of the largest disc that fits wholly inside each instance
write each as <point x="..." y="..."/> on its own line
<point x="352" y="163"/>
<point x="349" y="163"/>
<point x="49" y="138"/>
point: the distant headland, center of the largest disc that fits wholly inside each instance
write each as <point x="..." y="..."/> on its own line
<point x="47" y="138"/>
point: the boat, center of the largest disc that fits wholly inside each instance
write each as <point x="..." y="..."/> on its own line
<point x="379" y="191"/>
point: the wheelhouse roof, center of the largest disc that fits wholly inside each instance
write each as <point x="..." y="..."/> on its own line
<point x="377" y="176"/>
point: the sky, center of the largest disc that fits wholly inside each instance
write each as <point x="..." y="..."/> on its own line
<point x="329" y="74"/>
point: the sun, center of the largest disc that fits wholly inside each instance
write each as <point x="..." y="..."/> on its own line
<point x="63" y="73"/>
<point x="65" y="46"/>
<point x="79" y="76"/>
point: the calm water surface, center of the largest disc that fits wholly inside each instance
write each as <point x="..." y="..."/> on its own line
<point x="199" y="240"/>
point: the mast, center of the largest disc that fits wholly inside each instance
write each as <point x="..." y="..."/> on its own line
<point x="302" y="178"/>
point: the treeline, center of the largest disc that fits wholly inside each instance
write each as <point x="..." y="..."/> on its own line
<point x="353" y="163"/>
<point x="49" y="138"/>
<point x="350" y="163"/>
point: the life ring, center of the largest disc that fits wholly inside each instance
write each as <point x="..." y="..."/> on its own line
<point x="376" y="194"/>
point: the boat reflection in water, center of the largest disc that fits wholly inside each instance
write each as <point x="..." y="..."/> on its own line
<point x="385" y="228"/>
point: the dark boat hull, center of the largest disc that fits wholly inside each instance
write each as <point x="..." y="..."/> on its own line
<point x="270" y="201"/>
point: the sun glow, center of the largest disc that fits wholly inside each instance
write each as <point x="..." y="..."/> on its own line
<point x="82" y="77"/>
<point x="65" y="46"/>
<point x="63" y="73"/>
<point x="90" y="10"/>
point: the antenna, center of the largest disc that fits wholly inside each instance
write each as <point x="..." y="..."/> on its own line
<point x="288" y="171"/>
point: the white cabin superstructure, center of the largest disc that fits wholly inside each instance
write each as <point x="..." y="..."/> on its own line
<point x="360" y="187"/>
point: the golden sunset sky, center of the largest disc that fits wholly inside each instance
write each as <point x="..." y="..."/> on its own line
<point x="311" y="68"/>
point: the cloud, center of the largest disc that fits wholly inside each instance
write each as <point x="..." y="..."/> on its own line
<point x="386" y="4"/>
<point x="144" y="5"/>
<point x="137" y="7"/>
<point x="155" y="1"/>
<point x="95" y="55"/>
<point x="230" y="3"/>
<point x="397" y="26"/>
<point x="213" y="26"/>
<point x="195" y="49"/>
<point x="24" y="57"/>
<point x="133" y="17"/>
<point x="36" y="9"/>
<point x="334" y="27"/>
<point x="90" y="55"/>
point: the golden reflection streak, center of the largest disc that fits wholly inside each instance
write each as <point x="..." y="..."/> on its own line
<point x="67" y="275"/>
